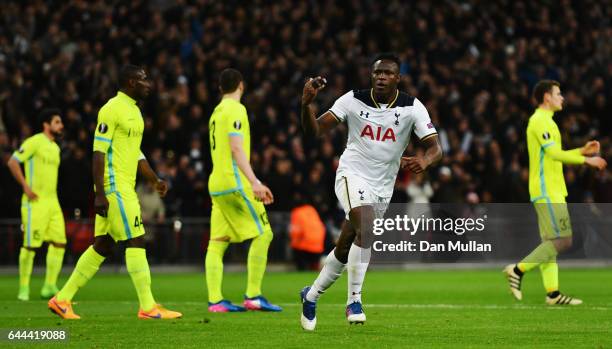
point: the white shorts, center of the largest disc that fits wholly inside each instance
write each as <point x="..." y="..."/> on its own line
<point x="353" y="191"/>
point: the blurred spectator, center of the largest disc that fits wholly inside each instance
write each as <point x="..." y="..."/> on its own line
<point x="446" y="188"/>
<point x="472" y="63"/>
<point x="307" y="233"/>
<point x="419" y="193"/>
<point x="153" y="215"/>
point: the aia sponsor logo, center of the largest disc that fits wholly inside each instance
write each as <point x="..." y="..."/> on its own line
<point x="378" y="134"/>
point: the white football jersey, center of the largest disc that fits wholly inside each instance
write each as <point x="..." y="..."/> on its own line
<point x="378" y="135"/>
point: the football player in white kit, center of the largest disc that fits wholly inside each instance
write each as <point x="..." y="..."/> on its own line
<point x="380" y="122"/>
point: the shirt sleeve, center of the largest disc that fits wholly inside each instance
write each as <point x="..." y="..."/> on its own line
<point x="237" y="121"/>
<point x="423" y="127"/>
<point x="570" y="157"/>
<point x="104" y="130"/>
<point x="27" y="149"/>
<point x="142" y="156"/>
<point x="341" y="107"/>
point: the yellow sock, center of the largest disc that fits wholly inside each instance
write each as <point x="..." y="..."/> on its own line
<point x="256" y="263"/>
<point x="138" y="267"/>
<point x="55" y="257"/>
<point x="85" y="269"/>
<point x="544" y="253"/>
<point x="26" y="262"/>
<point x="214" y="269"/>
<point x="550" y="276"/>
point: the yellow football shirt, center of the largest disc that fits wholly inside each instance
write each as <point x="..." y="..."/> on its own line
<point x="118" y="135"/>
<point x="229" y="119"/>
<point x="546" y="158"/>
<point x="41" y="159"/>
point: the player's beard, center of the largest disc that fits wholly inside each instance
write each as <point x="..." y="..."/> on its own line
<point x="57" y="134"/>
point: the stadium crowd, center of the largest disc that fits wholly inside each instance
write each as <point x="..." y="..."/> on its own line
<point x="472" y="63"/>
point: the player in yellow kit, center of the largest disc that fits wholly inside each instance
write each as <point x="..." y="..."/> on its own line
<point x="116" y="160"/>
<point x="41" y="214"/>
<point x="238" y="199"/>
<point x="548" y="192"/>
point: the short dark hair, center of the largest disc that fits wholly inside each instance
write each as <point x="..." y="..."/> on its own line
<point x="543" y="87"/>
<point x="387" y="56"/>
<point x="229" y="79"/>
<point x="46" y="115"/>
<point x="127" y="72"/>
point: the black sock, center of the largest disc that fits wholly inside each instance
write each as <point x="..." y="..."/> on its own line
<point x="518" y="271"/>
<point x="553" y="294"/>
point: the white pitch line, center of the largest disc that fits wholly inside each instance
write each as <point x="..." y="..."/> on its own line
<point x="403" y="305"/>
<point x="456" y="306"/>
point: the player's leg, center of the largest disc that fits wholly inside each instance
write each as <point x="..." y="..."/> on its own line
<point x="26" y="263"/>
<point x="127" y="225"/>
<point x="336" y="260"/>
<point x="258" y="257"/>
<point x="87" y="266"/>
<point x="32" y="240"/>
<point x="562" y="242"/>
<point x="89" y="262"/>
<point x="543" y="253"/>
<point x="54" y="261"/>
<point x="56" y="236"/>
<point x="138" y="268"/>
<point x="220" y="236"/>
<point x="358" y="260"/>
<point x="333" y="266"/>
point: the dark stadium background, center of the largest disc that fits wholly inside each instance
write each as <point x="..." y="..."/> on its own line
<point x="472" y="63"/>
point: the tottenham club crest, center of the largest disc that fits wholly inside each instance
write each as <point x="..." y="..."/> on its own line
<point x="237" y="125"/>
<point x="546" y="136"/>
<point x="103" y="128"/>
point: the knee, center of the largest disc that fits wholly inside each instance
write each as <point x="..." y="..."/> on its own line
<point x="363" y="238"/>
<point x="217" y="246"/>
<point x="567" y="243"/>
<point x="103" y="247"/>
<point x="563" y="244"/>
<point x="138" y="242"/>
<point x="267" y="236"/>
<point x="57" y="245"/>
<point x="341" y="253"/>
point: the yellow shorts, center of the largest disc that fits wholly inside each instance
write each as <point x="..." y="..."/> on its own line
<point x="553" y="218"/>
<point x="43" y="220"/>
<point x="239" y="216"/>
<point x="123" y="220"/>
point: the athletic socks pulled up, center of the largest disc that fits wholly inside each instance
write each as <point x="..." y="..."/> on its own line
<point x="85" y="269"/>
<point x="357" y="265"/>
<point x="332" y="269"/>
<point x="138" y="268"/>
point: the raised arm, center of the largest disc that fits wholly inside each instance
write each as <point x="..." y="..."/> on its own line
<point x="313" y="126"/>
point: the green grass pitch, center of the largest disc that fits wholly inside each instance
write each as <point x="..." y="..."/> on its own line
<point x="425" y="308"/>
